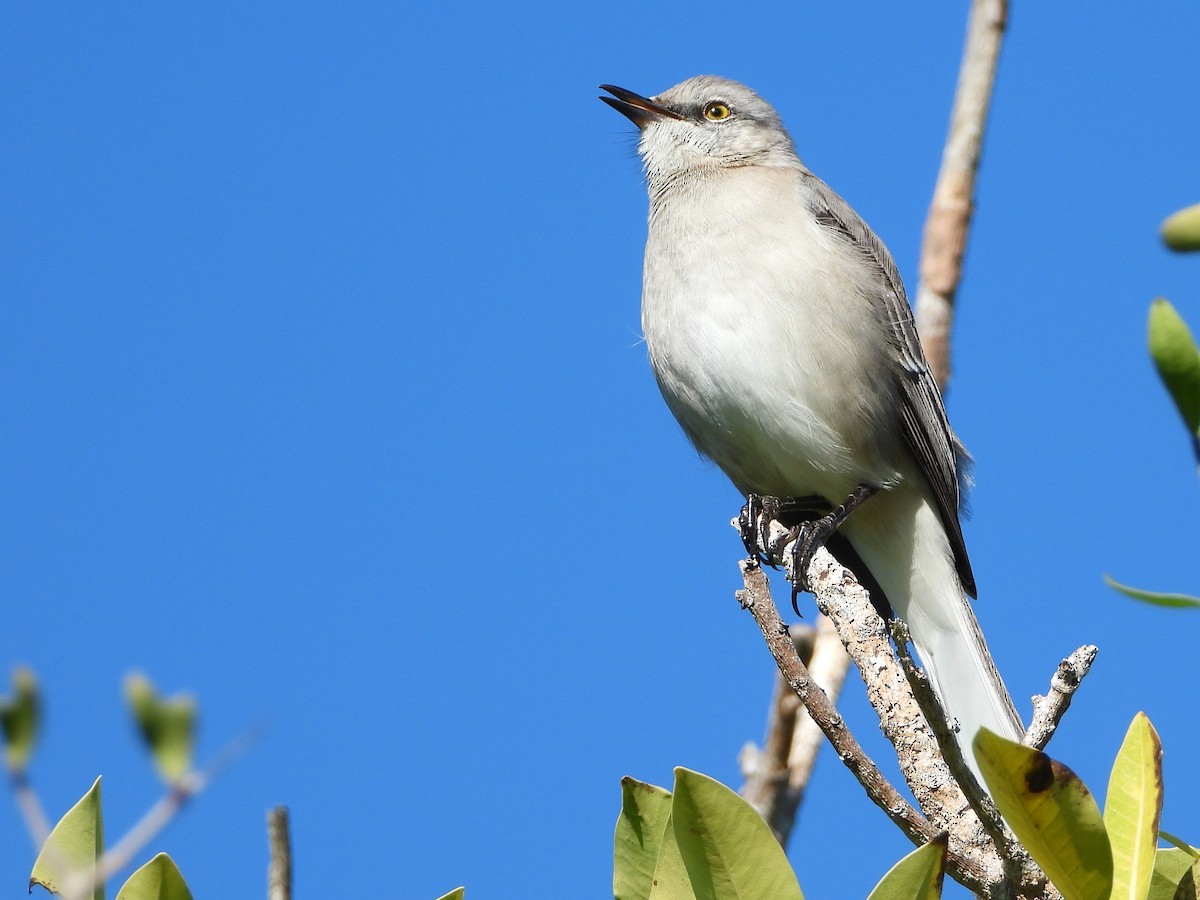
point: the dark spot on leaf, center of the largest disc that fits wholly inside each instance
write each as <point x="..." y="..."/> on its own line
<point x="1040" y="774"/>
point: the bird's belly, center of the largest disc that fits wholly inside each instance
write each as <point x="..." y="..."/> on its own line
<point x="783" y="407"/>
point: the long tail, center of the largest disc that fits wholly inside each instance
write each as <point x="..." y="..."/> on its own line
<point x="900" y="538"/>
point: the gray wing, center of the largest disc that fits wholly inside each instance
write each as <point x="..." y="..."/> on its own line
<point x="939" y="454"/>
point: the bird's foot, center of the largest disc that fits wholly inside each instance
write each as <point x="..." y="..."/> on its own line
<point x="768" y="524"/>
<point x="811" y="535"/>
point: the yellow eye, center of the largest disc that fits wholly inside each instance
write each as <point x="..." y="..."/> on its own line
<point x="716" y="111"/>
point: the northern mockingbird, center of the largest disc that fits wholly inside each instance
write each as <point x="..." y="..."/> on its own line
<point x="782" y="340"/>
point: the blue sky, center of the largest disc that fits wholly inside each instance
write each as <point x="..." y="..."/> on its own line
<point x="324" y="400"/>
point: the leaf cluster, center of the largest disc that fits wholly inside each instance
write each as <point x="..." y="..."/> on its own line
<point x="72" y="862"/>
<point x="701" y="841"/>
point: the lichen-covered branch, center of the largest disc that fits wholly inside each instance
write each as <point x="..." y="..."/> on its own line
<point x="1048" y="710"/>
<point x="972" y="857"/>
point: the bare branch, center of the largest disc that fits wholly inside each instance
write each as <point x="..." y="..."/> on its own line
<point x="168" y="806"/>
<point x="30" y="805"/>
<point x="972" y="856"/>
<point x="950" y="211"/>
<point x="828" y="669"/>
<point x="1048" y="710"/>
<point x="279" y="871"/>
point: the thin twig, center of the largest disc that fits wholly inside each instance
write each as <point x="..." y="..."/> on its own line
<point x="949" y="218"/>
<point x="1048" y="710"/>
<point x="828" y="669"/>
<point x="765" y="770"/>
<point x="279" y="871"/>
<point x="148" y="827"/>
<point x="32" y="811"/>
<point x="168" y="806"/>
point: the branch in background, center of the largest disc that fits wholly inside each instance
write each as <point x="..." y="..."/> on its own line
<point x="169" y="805"/>
<point x="279" y="870"/>
<point x="1048" y="710"/>
<point x="954" y="195"/>
<point x="777" y="775"/>
<point x="766" y="771"/>
<point x="31" y="808"/>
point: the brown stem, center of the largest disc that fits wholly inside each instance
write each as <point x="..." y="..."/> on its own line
<point x="950" y="211"/>
<point x="279" y="870"/>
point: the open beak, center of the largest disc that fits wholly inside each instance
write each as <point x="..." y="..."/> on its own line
<point x="638" y="109"/>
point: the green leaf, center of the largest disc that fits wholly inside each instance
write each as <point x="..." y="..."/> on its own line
<point x="1132" y="809"/>
<point x="73" y="848"/>
<point x="1157" y="599"/>
<point x="457" y="894"/>
<point x="159" y="879"/>
<point x="645" y="819"/>
<point x="168" y="726"/>
<point x="729" y="851"/>
<point x="918" y="876"/>
<point x="1171" y="865"/>
<point x="20" y="719"/>
<point x="1177" y="359"/>
<point x="671" y="879"/>
<point x="1189" y="885"/>
<point x="1051" y="812"/>
<point x="1181" y="230"/>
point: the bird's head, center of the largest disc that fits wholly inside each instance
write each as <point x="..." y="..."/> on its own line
<point x="703" y="123"/>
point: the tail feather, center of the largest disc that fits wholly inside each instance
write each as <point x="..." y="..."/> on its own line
<point x="904" y="545"/>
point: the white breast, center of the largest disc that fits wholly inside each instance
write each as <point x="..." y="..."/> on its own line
<point x="736" y="347"/>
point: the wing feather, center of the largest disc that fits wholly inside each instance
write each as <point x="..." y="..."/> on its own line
<point x="942" y="459"/>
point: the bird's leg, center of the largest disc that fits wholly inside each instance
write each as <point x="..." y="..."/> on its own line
<point x="812" y="534"/>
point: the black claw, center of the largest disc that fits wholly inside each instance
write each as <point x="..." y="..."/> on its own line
<point x="810" y="523"/>
<point x="748" y="528"/>
<point x="813" y="534"/>
<point x="810" y="538"/>
<point x="754" y="525"/>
